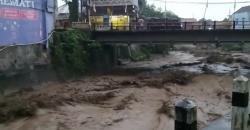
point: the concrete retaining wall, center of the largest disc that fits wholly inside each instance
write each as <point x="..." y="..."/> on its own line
<point x="21" y="58"/>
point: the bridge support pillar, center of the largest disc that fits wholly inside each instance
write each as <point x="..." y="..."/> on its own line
<point x="185" y="115"/>
<point x="240" y="103"/>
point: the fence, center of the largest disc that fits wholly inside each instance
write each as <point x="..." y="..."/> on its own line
<point x="186" y="110"/>
<point x="172" y="25"/>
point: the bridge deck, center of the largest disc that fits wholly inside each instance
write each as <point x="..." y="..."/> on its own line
<point x="172" y="36"/>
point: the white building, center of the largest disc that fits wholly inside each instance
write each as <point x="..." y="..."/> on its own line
<point x="242" y="18"/>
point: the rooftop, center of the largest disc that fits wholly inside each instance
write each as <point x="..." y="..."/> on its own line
<point x="243" y="9"/>
<point x="113" y="2"/>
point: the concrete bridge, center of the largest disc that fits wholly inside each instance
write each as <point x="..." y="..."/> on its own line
<point x="175" y="33"/>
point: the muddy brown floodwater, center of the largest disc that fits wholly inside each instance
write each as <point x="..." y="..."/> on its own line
<point x="130" y="101"/>
<point x="135" y="105"/>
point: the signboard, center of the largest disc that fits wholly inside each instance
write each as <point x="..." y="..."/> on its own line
<point x="113" y="2"/>
<point x="22" y="21"/>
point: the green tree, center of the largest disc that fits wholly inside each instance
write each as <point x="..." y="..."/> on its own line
<point x="226" y="20"/>
<point x="147" y="10"/>
<point x="73" y="9"/>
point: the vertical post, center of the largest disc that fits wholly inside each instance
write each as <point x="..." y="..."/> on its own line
<point x="111" y="26"/>
<point x="240" y="103"/>
<point x="129" y="26"/>
<point x="233" y="25"/>
<point x="185" y="25"/>
<point x="166" y="15"/>
<point x="214" y="25"/>
<point x="205" y="24"/>
<point x="185" y="115"/>
<point x="166" y="24"/>
<point x="243" y="24"/>
<point x="94" y="26"/>
<point x="81" y="4"/>
<point x="88" y="11"/>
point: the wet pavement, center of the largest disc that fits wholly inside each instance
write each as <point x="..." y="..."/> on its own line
<point x="221" y="124"/>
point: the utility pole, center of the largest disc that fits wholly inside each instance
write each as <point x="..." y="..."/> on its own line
<point x="165" y="9"/>
<point x="234" y="10"/>
<point x="235" y="5"/>
<point x="88" y="9"/>
<point x="81" y="4"/>
<point x="204" y="17"/>
<point x="165" y="14"/>
<point x="229" y="14"/>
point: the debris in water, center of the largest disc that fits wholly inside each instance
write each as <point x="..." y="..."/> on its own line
<point x="18" y="106"/>
<point x="13" y="108"/>
<point x="127" y="83"/>
<point x="166" y="109"/>
<point x="125" y="101"/>
<point x="177" y="76"/>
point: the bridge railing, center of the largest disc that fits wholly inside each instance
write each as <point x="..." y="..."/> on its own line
<point x="171" y="25"/>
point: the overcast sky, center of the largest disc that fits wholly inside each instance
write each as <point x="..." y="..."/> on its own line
<point x="214" y="12"/>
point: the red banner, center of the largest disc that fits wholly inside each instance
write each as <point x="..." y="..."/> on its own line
<point x="18" y="14"/>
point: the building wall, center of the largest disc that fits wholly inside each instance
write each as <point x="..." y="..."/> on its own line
<point x="16" y="58"/>
<point x="248" y="21"/>
<point x="21" y="58"/>
<point x="239" y="18"/>
<point x="114" y="7"/>
<point x="110" y="16"/>
<point x="114" y="10"/>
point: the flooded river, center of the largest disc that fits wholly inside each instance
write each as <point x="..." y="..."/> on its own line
<point x="132" y="101"/>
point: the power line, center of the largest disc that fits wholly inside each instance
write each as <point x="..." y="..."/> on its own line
<point x="204" y="3"/>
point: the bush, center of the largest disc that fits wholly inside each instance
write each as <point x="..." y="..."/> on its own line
<point x="70" y="51"/>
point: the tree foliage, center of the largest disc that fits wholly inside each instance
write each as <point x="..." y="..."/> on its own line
<point x="147" y="10"/>
<point x="73" y="9"/>
<point x="70" y="51"/>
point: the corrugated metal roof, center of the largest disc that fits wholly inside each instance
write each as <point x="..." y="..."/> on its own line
<point x="243" y="9"/>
